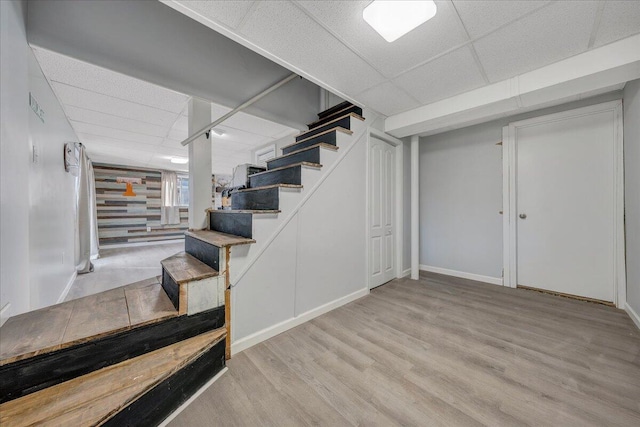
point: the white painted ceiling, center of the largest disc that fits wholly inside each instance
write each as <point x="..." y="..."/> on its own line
<point x="467" y="45"/>
<point x="126" y="121"/>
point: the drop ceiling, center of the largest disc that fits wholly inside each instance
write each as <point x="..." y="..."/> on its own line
<point x="126" y="121"/>
<point x="467" y="45"/>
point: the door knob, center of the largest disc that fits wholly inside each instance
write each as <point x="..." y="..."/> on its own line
<point x="523" y="216"/>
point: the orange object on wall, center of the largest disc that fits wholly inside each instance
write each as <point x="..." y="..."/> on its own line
<point x="129" y="181"/>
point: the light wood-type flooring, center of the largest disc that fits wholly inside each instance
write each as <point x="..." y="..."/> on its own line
<point x="439" y="351"/>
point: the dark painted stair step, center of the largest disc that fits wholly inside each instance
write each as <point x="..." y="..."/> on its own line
<point x="326" y="119"/>
<point x="259" y="198"/>
<point x="334" y="109"/>
<point x="291" y="174"/>
<point x="342" y="121"/>
<point x="309" y="154"/>
<point x="236" y="222"/>
<point x="205" y="245"/>
<point x="327" y="137"/>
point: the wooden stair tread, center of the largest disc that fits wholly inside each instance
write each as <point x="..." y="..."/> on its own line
<point x="84" y="319"/>
<point x="302" y="150"/>
<point x="245" y="211"/>
<point x="185" y="268"/>
<point x="219" y="239"/>
<point x="93" y="398"/>
<point x="271" y="186"/>
<point x="319" y="134"/>
<point x="293" y="165"/>
<point x="337" y="118"/>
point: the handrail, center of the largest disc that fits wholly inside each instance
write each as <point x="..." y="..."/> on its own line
<point x="242" y="106"/>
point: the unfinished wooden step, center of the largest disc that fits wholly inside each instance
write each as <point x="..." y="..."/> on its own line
<point x="139" y="391"/>
<point x="309" y="154"/>
<point x="192" y="286"/>
<point x="327" y="118"/>
<point x="342" y="121"/>
<point x="73" y="322"/>
<point x="290" y="174"/>
<point x="28" y="375"/>
<point x="206" y="245"/>
<point x="329" y="136"/>
<point x="267" y="197"/>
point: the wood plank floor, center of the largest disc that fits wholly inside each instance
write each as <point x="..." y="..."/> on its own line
<point x="440" y="351"/>
<point x="73" y="322"/>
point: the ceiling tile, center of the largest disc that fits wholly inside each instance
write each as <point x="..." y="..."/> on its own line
<point x="62" y="69"/>
<point x="443" y="77"/>
<point x="287" y="32"/>
<point x="97" y="118"/>
<point x="387" y="99"/>
<point x="123" y="135"/>
<point x="72" y="96"/>
<point x="480" y="17"/>
<point x="437" y="35"/>
<point x="229" y="13"/>
<point x="163" y="162"/>
<point x="551" y="34"/>
<point x="619" y="19"/>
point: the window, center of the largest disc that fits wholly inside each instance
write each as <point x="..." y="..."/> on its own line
<point x="183" y="190"/>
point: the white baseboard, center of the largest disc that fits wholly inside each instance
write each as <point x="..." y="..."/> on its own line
<point x="5" y="313"/>
<point x="193" y="397"/>
<point x="634" y="316"/>
<point x="463" y="275"/>
<point x="256" y="338"/>
<point x="405" y="273"/>
<point x="67" y="288"/>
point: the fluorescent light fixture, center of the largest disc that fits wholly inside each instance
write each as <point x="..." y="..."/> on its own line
<point x="179" y="160"/>
<point x="218" y="132"/>
<point x="394" y="19"/>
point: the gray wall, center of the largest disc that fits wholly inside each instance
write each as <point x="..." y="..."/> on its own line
<point x="632" y="190"/>
<point x="51" y="197"/>
<point x="461" y="194"/>
<point x="14" y="157"/>
<point x="38" y="208"/>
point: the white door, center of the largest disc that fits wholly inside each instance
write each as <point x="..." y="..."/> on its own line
<point x="382" y="218"/>
<point x="565" y="210"/>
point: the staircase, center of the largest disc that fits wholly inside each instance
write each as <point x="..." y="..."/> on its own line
<point x="132" y="355"/>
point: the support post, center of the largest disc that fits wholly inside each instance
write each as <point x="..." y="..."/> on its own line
<point x="227" y="303"/>
<point x="200" y="194"/>
<point x="415" y="207"/>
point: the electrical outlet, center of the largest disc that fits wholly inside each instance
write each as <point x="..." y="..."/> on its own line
<point x="148" y="229"/>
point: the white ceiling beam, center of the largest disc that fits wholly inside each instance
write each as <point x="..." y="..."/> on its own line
<point x="582" y="74"/>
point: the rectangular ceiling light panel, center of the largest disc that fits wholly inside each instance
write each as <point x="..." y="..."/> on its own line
<point x="394" y="19"/>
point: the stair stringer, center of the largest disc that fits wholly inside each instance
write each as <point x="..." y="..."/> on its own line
<point x="256" y="314"/>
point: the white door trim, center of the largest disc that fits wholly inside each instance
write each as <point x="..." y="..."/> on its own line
<point x="398" y="144"/>
<point x="509" y="193"/>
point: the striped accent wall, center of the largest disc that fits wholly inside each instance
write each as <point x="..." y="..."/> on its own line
<point x="124" y="219"/>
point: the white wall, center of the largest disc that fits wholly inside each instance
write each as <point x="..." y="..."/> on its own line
<point x="51" y="197"/>
<point x="461" y="195"/>
<point x="631" y="103"/>
<point x="37" y="244"/>
<point x="14" y="157"/>
<point x="317" y="261"/>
